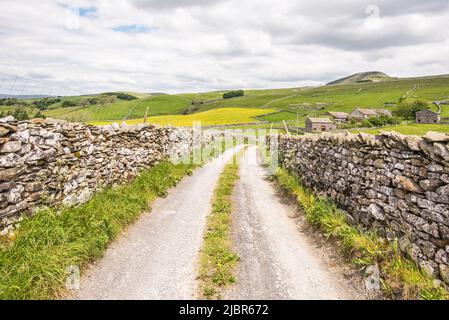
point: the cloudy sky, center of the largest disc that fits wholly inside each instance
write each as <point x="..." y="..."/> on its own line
<point x="201" y="45"/>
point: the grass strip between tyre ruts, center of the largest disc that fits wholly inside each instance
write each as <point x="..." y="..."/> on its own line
<point x="217" y="259"/>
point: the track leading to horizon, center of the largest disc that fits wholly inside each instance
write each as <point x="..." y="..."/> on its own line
<point x="158" y="256"/>
<point x="278" y="261"/>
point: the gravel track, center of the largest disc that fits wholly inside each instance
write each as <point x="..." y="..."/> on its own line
<point x="278" y="261"/>
<point x="157" y="256"/>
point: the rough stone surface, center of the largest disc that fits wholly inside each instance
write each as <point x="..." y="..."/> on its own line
<point x="3" y="131"/>
<point x="56" y="162"/>
<point x="397" y="183"/>
<point x="11" y="146"/>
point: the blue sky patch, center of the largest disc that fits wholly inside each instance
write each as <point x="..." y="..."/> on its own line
<point x="134" y="28"/>
<point x="90" y="11"/>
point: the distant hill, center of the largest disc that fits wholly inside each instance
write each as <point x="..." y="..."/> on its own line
<point x="6" y="96"/>
<point x="363" y="77"/>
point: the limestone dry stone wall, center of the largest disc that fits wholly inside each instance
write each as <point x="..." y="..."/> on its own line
<point x="398" y="184"/>
<point x="49" y="162"/>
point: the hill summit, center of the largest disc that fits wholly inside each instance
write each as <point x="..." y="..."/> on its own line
<point x="362" y="77"/>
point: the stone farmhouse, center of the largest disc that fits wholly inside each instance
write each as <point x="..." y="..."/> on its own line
<point x="339" y="117"/>
<point x="336" y="118"/>
<point x="362" y="114"/>
<point x="320" y="125"/>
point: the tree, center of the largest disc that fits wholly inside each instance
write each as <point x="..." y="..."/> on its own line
<point x="44" y="103"/>
<point x="84" y="102"/>
<point x="68" y="103"/>
<point x="92" y="100"/>
<point x="125" y="96"/>
<point x="20" y="114"/>
<point x="408" y="111"/>
<point x="233" y="94"/>
<point x="380" y="121"/>
<point x="107" y="99"/>
<point x="39" y="115"/>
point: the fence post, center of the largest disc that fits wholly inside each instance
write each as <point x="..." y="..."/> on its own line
<point x="146" y="115"/>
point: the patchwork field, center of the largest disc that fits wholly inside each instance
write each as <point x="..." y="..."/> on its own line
<point x="307" y="101"/>
<point x="292" y="105"/>
<point x="222" y="116"/>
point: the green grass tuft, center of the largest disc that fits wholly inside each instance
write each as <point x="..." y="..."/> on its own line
<point x="217" y="260"/>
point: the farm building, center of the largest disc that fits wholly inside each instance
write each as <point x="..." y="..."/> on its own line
<point x="428" y="116"/>
<point x="338" y="116"/>
<point x="383" y="112"/>
<point x="362" y="114"/>
<point x="319" y="125"/>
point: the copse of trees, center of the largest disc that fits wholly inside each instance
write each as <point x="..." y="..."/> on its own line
<point x="380" y="121"/>
<point x="125" y="96"/>
<point x="92" y="101"/>
<point x="407" y="111"/>
<point x="21" y="114"/>
<point x="18" y="113"/>
<point x="68" y="103"/>
<point x="233" y="94"/>
<point x="12" y="102"/>
<point x="43" y="104"/>
<point x="195" y="106"/>
<point x="39" y="115"/>
<point x="121" y="95"/>
<point x="107" y="99"/>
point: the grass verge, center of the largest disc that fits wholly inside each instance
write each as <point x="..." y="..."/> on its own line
<point x="400" y="277"/>
<point x="34" y="264"/>
<point x="409" y="129"/>
<point x="217" y="260"/>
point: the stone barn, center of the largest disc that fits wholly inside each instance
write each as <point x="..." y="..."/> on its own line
<point x="428" y="116"/>
<point x="319" y="125"/>
<point x="362" y="114"/>
<point x="338" y="116"/>
<point x="384" y="112"/>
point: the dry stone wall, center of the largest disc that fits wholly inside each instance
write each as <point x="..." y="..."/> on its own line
<point x="397" y="184"/>
<point x="49" y="162"/>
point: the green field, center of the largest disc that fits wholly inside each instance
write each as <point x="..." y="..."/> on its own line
<point x="279" y="116"/>
<point x="410" y="129"/>
<point x="158" y="105"/>
<point x="407" y="129"/>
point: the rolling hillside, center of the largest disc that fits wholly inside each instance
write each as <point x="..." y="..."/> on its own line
<point x="157" y="105"/>
<point x="305" y="101"/>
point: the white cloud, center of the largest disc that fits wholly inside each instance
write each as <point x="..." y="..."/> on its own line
<point x="198" y="45"/>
